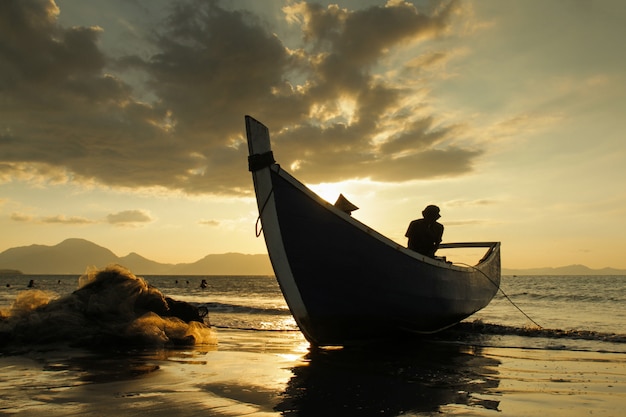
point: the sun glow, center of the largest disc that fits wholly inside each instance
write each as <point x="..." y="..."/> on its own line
<point x="329" y="191"/>
<point x="342" y="110"/>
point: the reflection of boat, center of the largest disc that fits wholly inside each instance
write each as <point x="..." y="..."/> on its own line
<point x="344" y="282"/>
<point x="393" y="379"/>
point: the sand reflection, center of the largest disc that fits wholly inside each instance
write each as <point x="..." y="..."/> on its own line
<point x="391" y="380"/>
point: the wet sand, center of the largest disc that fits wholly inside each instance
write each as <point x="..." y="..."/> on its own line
<point x="275" y="373"/>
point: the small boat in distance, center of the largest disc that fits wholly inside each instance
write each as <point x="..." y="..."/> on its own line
<point x="344" y="282"/>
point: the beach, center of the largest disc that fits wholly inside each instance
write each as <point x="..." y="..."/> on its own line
<point x="273" y="375"/>
<point x="495" y="363"/>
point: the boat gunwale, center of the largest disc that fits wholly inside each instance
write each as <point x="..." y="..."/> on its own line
<point x="491" y="245"/>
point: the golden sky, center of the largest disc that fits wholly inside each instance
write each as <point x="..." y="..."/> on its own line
<point x="122" y="122"/>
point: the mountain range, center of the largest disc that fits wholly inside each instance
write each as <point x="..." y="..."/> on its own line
<point x="564" y="270"/>
<point x="74" y="256"/>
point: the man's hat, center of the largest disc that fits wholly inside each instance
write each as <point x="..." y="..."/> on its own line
<point x="431" y="212"/>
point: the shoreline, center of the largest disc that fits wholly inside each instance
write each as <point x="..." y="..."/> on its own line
<point x="275" y="373"/>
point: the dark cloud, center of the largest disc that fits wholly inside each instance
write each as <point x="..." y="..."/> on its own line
<point x="66" y="108"/>
<point x="417" y="137"/>
<point x="352" y="42"/>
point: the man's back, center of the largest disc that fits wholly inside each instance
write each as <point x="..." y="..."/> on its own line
<point x="424" y="236"/>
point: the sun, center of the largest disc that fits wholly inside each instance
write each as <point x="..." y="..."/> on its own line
<point x="329" y="191"/>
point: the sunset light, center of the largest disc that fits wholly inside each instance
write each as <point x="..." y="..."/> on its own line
<point x="115" y="110"/>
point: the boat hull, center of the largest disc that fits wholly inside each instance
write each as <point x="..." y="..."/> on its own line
<point x="346" y="284"/>
<point x="356" y="287"/>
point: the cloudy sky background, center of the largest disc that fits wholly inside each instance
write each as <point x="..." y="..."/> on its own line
<point x="121" y="122"/>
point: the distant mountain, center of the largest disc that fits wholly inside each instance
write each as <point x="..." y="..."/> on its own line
<point x="136" y="262"/>
<point x="74" y="256"/>
<point x="224" y="264"/>
<point x="69" y="256"/>
<point x="564" y="270"/>
<point x="10" y="272"/>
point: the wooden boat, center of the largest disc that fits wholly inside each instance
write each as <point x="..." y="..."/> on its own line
<point x="344" y="282"/>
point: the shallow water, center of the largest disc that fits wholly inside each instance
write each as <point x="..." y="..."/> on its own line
<point x="495" y="363"/>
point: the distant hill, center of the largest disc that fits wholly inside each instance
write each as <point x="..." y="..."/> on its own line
<point x="74" y="256"/>
<point x="564" y="270"/>
<point x="10" y="272"/>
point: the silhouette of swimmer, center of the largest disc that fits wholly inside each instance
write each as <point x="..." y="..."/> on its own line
<point x="31" y="283"/>
<point x="204" y="284"/>
<point x="425" y="234"/>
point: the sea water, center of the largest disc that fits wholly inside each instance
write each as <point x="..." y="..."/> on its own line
<point x="582" y="312"/>
<point x="546" y="345"/>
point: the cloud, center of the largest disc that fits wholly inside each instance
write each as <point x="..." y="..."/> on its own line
<point x="66" y="220"/>
<point x="523" y="123"/>
<point x="21" y="217"/>
<point x="472" y="203"/>
<point x="473" y="222"/>
<point x="56" y="219"/>
<point x="122" y="218"/>
<point x="68" y="110"/>
<point x="209" y="222"/>
<point x="129" y="217"/>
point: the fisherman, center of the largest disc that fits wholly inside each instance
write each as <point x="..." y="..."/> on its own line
<point x="425" y="234"/>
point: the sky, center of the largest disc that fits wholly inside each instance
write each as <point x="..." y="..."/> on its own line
<point x="122" y="122"/>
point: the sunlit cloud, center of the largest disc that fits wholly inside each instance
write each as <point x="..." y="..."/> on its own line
<point x="521" y="124"/>
<point x="395" y="104"/>
<point x="21" y="217"/>
<point x="472" y="203"/>
<point x="129" y="217"/>
<point x="123" y="218"/>
<point x="35" y="174"/>
<point x="56" y="219"/>
<point x="60" y="219"/>
<point x="469" y="222"/>
<point x="209" y="222"/>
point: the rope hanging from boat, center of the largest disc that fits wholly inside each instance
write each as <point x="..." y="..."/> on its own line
<point x="258" y="231"/>
<point x="503" y="293"/>
<point x="258" y="219"/>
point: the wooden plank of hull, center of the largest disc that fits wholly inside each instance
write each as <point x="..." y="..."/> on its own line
<point x="344" y="282"/>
